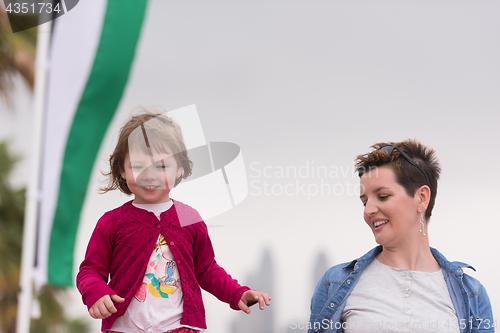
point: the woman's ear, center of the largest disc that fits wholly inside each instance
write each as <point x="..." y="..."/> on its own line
<point x="424" y="196"/>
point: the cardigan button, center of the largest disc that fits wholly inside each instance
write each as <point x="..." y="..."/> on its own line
<point x="171" y="243"/>
<point x="158" y="226"/>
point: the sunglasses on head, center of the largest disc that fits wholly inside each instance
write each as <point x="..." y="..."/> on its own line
<point x="389" y="149"/>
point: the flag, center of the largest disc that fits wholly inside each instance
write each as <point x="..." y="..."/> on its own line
<point x="92" y="52"/>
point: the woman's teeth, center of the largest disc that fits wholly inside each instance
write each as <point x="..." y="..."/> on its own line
<point x="379" y="223"/>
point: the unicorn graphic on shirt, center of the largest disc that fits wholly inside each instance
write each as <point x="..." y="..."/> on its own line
<point x="157" y="284"/>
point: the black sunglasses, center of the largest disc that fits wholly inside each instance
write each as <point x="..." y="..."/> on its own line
<point x="390" y="148"/>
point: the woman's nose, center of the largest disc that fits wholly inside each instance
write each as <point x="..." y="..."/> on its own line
<point x="370" y="208"/>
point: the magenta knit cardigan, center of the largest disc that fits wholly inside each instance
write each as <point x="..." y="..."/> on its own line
<point x="120" y="248"/>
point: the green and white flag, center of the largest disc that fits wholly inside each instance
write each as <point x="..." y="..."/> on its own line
<point x="92" y="51"/>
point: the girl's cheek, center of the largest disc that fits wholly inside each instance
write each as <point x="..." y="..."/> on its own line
<point x="163" y="175"/>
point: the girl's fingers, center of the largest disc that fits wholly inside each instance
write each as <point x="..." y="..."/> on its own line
<point x="261" y="302"/>
<point x="243" y="307"/>
<point x="105" y="306"/>
<point x="264" y="299"/>
<point x="109" y="308"/>
<point x="117" y="298"/>
<point x="91" y="313"/>
<point x="98" y="313"/>
<point x="268" y="300"/>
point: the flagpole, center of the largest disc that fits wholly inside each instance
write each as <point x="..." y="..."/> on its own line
<point x="33" y="197"/>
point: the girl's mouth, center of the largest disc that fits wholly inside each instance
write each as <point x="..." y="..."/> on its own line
<point x="150" y="187"/>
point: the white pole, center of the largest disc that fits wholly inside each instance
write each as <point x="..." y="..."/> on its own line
<point x="33" y="189"/>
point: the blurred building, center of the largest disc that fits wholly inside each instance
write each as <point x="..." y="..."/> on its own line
<point x="259" y="321"/>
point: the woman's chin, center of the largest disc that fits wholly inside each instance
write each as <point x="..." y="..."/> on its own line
<point x="380" y="240"/>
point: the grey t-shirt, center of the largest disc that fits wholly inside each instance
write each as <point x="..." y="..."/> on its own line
<point x="388" y="299"/>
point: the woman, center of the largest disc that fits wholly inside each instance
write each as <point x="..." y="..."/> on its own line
<point x="403" y="285"/>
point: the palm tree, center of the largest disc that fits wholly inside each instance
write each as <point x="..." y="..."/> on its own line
<point x="11" y="222"/>
<point x="11" y="230"/>
<point x="17" y="52"/>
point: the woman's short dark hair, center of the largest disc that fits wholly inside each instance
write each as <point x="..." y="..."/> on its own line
<point x="407" y="175"/>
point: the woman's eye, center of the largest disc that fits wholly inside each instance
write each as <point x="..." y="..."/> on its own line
<point x="364" y="204"/>
<point x="383" y="197"/>
<point x="161" y="166"/>
<point x="136" y="167"/>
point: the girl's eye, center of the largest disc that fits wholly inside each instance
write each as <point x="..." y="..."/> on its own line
<point x="136" y="167"/>
<point x="383" y="197"/>
<point x="161" y="166"/>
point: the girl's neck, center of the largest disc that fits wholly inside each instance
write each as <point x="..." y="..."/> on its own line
<point x="156" y="209"/>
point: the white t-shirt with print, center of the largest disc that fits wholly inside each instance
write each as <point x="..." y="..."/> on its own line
<point x="158" y="304"/>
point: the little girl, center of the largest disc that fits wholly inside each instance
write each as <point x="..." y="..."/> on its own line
<point x="155" y="251"/>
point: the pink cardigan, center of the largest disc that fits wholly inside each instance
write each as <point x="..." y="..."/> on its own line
<point x="120" y="248"/>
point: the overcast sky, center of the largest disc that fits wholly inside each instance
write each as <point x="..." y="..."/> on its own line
<point x="312" y="84"/>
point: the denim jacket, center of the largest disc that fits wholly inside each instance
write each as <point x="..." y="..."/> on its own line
<point x="469" y="297"/>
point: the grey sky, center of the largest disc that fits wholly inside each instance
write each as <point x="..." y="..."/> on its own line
<point x="298" y="83"/>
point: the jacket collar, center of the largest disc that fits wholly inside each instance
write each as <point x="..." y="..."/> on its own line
<point x="451" y="267"/>
<point x="365" y="259"/>
<point x="454" y="267"/>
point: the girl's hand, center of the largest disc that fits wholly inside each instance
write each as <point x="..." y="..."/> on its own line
<point x="104" y="306"/>
<point x="250" y="297"/>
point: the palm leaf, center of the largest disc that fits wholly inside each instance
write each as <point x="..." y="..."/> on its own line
<point x="17" y="54"/>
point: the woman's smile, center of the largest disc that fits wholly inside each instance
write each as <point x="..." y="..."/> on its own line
<point x="379" y="223"/>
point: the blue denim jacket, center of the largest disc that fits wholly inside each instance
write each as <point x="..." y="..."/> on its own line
<point x="469" y="297"/>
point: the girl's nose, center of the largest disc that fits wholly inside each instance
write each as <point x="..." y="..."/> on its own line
<point x="148" y="173"/>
